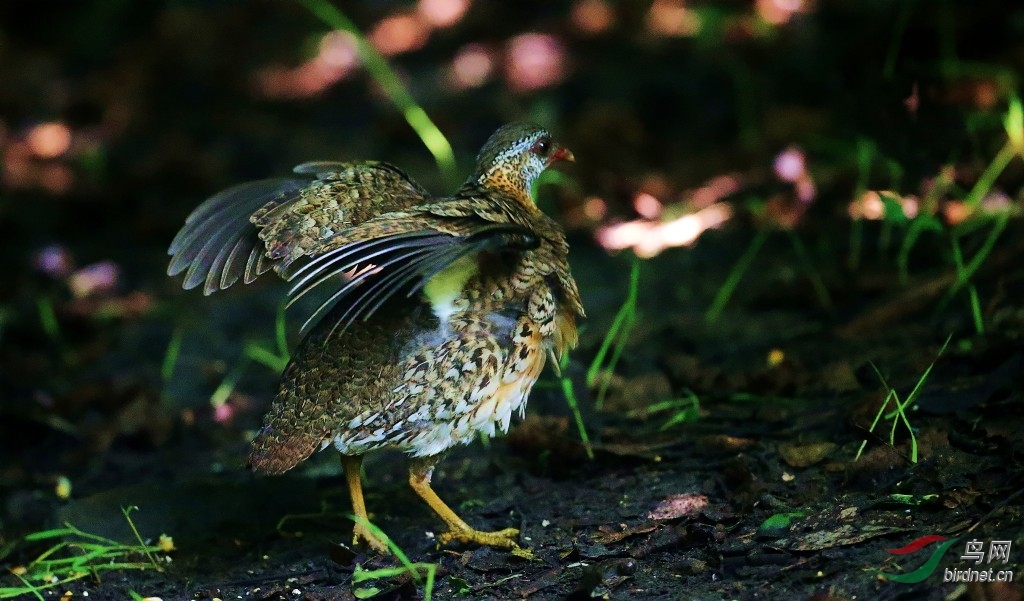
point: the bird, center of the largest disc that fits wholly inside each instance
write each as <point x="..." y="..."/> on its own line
<point x="441" y="311"/>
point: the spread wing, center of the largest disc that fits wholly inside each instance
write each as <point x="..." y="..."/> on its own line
<point x="247" y="230"/>
<point x="400" y="252"/>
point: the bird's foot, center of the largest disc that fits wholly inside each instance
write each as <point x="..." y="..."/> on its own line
<point x="362" y="532"/>
<point x="502" y="539"/>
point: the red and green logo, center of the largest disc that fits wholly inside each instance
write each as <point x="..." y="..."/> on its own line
<point x="929" y="566"/>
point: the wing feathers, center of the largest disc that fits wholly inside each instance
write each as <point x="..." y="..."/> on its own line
<point x="202" y="264"/>
<point x="399" y="262"/>
<point x="367" y="221"/>
<point x="249" y="229"/>
<point x="376" y="274"/>
<point x="217" y="237"/>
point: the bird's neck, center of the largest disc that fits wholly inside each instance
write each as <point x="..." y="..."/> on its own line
<point x="501" y="181"/>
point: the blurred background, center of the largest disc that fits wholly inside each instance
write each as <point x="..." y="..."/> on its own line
<point x="848" y="127"/>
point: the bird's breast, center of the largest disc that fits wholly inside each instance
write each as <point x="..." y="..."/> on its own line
<point x="474" y="382"/>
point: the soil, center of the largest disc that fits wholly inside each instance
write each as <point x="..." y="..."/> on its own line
<point x="732" y="458"/>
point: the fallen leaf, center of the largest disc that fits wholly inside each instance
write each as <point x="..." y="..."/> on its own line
<point x="606" y="537"/>
<point x="806" y="455"/>
<point x="678" y="506"/>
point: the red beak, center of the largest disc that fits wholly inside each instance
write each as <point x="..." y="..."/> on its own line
<point x="562" y="154"/>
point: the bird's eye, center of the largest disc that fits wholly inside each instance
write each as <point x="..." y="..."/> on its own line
<point x="541" y="147"/>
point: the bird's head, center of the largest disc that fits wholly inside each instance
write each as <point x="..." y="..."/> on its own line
<point x="514" y="157"/>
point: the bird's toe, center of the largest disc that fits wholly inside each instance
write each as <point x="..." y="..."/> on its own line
<point x="502" y="539"/>
<point x="363" y="534"/>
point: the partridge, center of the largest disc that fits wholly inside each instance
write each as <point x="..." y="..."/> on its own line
<point x="439" y="311"/>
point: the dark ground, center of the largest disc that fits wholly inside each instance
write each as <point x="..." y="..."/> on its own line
<point x="163" y="110"/>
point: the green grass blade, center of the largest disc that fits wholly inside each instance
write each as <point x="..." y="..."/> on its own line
<point x="429" y="569"/>
<point x="574" y="406"/>
<point x="988" y="177"/>
<point x="896" y="40"/>
<point x="865" y="157"/>
<point x="54" y="533"/>
<point x="172" y="354"/>
<point x="819" y="284"/>
<point x="964" y="272"/>
<point x="227" y="386"/>
<point x="594" y="371"/>
<point x="881" y="410"/>
<point x="264" y="357"/>
<point x="734" y="277"/>
<point x="618" y="328"/>
<point x="48" y="318"/>
<point x="920" y="381"/>
<point x="979" y="321"/>
<point x="687" y="409"/>
<point x="394" y="89"/>
<point x="1014" y="124"/>
<point x="399" y="554"/>
<point x="617" y="350"/>
<point x="127" y="511"/>
<point x="281" y="333"/>
<point x="11" y="592"/>
<point x="986" y="248"/>
<point x="918" y="226"/>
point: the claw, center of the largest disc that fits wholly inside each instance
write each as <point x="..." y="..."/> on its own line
<point x="502" y="539"/>
<point x="360" y="531"/>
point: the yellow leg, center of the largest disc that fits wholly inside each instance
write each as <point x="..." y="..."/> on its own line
<point x="458" y="530"/>
<point x="352" y="464"/>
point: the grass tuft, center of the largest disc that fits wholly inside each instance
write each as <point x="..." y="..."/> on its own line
<point x="602" y="367"/>
<point x="679" y="410"/>
<point x="899" y="414"/>
<point x="259" y="353"/>
<point x="424" y="573"/>
<point x="569" y="391"/>
<point x="79" y="554"/>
